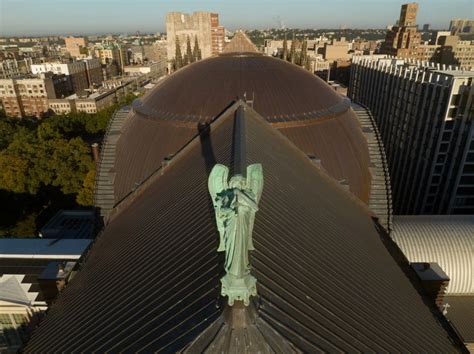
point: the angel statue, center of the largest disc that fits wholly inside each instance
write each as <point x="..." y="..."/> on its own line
<point x="235" y="203"/>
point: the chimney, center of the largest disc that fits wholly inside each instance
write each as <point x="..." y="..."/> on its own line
<point x="433" y="280"/>
<point x="95" y="152"/>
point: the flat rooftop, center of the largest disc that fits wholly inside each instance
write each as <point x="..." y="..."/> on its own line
<point x="38" y="248"/>
<point x="456" y="73"/>
<point x="70" y="224"/>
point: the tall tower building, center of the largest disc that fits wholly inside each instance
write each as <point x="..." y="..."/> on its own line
<point x="217" y="35"/>
<point x="403" y="39"/>
<point x="408" y="15"/>
<point x="203" y="25"/>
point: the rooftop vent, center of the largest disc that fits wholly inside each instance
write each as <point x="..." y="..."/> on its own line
<point x="433" y="280"/>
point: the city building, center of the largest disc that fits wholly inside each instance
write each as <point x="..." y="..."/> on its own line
<point x="439" y="34"/>
<point x="461" y="26"/>
<point x="28" y="97"/>
<point x="32" y="273"/>
<point x="61" y="105"/>
<point x="76" y="70"/>
<point x="363" y="46"/>
<point x="426" y="27"/>
<point x="426" y="52"/>
<point x="234" y="232"/>
<point x="112" y="53"/>
<point x="454" y="51"/>
<point x="201" y="25"/>
<point x="10" y="98"/>
<point x="10" y="68"/>
<point x="217" y="35"/>
<point x="87" y="102"/>
<point x="135" y="54"/>
<point x="75" y="46"/>
<point x="156" y="69"/>
<point x="403" y="39"/>
<point x="425" y="118"/>
<point x="337" y="50"/>
<point x="95" y="102"/>
<point x="93" y="71"/>
<point x="155" y="51"/>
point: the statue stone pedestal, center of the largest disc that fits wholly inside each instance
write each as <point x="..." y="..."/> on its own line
<point x="238" y="289"/>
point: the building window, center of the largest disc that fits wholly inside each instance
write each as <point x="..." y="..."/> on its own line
<point x="468" y="168"/>
<point x="13" y="328"/>
<point x="443" y="147"/>
<point x="467" y="180"/>
<point x="465" y="191"/>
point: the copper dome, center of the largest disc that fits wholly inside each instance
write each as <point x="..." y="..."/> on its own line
<point x="281" y="91"/>
<point x="303" y="107"/>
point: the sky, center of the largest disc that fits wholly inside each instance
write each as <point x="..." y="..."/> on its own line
<point x="42" y="17"/>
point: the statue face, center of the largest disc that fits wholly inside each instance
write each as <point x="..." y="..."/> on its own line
<point x="238" y="182"/>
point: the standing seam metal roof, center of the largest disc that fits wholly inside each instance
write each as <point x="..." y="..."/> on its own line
<point x="445" y="239"/>
<point x="307" y="110"/>
<point x="325" y="280"/>
<point x="461" y="314"/>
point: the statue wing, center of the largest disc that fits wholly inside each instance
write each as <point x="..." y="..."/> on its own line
<point x="218" y="180"/>
<point x="255" y="180"/>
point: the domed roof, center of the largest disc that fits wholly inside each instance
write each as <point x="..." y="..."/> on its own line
<point x="280" y="91"/>
<point x="303" y="107"/>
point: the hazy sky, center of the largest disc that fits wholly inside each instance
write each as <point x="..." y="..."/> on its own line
<point x="38" y="17"/>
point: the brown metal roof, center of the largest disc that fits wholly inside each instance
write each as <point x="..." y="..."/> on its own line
<point x="326" y="281"/>
<point x="336" y="141"/>
<point x="281" y="91"/>
<point x="142" y="148"/>
<point x="305" y="108"/>
<point x="461" y="314"/>
<point x="339" y="144"/>
<point x="240" y="44"/>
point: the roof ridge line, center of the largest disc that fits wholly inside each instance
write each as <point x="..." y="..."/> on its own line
<point x="255" y="115"/>
<point x="130" y="197"/>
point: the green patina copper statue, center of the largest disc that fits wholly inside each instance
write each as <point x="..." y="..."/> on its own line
<point x="235" y="203"/>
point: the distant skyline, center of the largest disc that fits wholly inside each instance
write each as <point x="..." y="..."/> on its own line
<point x="43" y="17"/>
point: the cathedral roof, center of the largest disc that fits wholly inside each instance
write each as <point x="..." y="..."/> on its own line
<point x="326" y="279"/>
<point x="302" y="106"/>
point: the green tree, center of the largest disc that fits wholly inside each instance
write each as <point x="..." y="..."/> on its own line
<point x="285" y="49"/>
<point x="85" y="196"/>
<point x="14" y="173"/>
<point x="189" y="51"/>
<point x="307" y="64"/>
<point x="24" y="227"/>
<point x="304" y="53"/>
<point x="7" y="130"/>
<point x="196" y="50"/>
<point x="178" y="56"/>
<point x="293" y="50"/>
<point x="70" y="162"/>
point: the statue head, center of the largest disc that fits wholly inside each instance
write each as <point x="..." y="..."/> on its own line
<point x="239" y="182"/>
